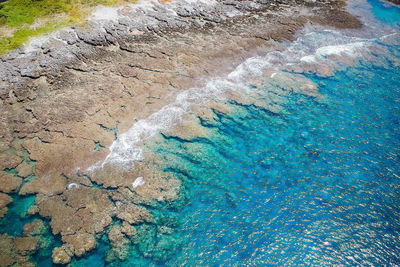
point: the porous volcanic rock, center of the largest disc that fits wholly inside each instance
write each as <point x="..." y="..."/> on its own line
<point x="47" y="185"/>
<point x="8" y="182"/>
<point x="4" y="201"/>
<point x="80" y="242"/>
<point x="132" y="213"/>
<point x="25" y="245"/>
<point x="128" y="229"/>
<point x="62" y="255"/>
<point x="24" y="170"/>
<point x="34" y="228"/>
<point x="13" y="252"/>
<point x="9" y="161"/>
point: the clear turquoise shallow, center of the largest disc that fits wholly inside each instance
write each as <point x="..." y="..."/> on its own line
<point x="318" y="184"/>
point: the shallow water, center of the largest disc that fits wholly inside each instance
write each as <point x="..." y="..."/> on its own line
<point x="314" y="180"/>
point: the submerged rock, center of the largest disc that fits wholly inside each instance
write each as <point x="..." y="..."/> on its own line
<point x="66" y="96"/>
<point x="128" y="229"/>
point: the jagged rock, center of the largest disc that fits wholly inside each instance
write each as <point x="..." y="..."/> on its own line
<point x="8" y="161"/>
<point x="63" y="219"/>
<point x="81" y="242"/>
<point x="34" y="228"/>
<point x="34" y="209"/>
<point x="82" y="96"/>
<point x="8" y="251"/>
<point x="62" y="255"/>
<point x="4" y="201"/>
<point x="115" y="235"/>
<point x="47" y="185"/>
<point x="132" y="213"/>
<point x="24" y="170"/>
<point x="128" y="229"/>
<point x="9" y="182"/>
<point x="25" y="245"/>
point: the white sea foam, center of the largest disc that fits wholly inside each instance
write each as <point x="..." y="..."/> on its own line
<point x="138" y="182"/>
<point x="72" y="185"/>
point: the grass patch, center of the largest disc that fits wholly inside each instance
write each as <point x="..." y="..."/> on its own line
<point x="28" y="18"/>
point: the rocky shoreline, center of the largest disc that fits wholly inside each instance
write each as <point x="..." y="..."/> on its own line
<point x="66" y="98"/>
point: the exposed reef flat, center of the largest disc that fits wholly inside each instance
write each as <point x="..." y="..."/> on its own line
<point x="66" y="97"/>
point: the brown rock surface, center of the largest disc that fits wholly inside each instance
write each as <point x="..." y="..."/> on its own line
<point x="62" y="255"/>
<point x="8" y="251"/>
<point x="115" y="235"/>
<point x="128" y="229"/>
<point x="24" y="170"/>
<point x="80" y="242"/>
<point x="47" y="185"/>
<point x="25" y="245"/>
<point x="8" y="161"/>
<point x="61" y="114"/>
<point x="4" y="201"/>
<point x="9" y="182"/>
<point x="132" y="213"/>
<point x="34" y="228"/>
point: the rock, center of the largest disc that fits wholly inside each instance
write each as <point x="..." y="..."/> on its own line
<point x="4" y="201"/>
<point x="34" y="228"/>
<point x="115" y="235"/>
<point x="25" y="245"/>
<point x="6" y="246"/>
<point x="128" y="229"/>
<point x="34" y="209"/>
<point x="24" y="169"/>
<point x="63" y="218"/>
<point x="62" y="255"/>
<point x="81" y="242"/>
<point x="132" y="213"/>
<point x="9" y="182"/>
<point x="8" y="161"/>
<point x="9" y="248"/>
<point x="47" y="185"/>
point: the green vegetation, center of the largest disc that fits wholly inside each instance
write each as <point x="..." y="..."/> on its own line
<point x="21" y="19"/>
